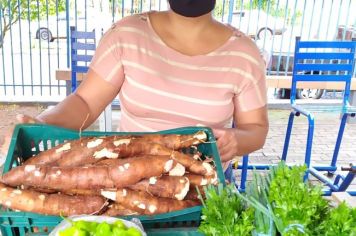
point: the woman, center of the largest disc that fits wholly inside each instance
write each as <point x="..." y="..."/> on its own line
<point x="173" y="69"/>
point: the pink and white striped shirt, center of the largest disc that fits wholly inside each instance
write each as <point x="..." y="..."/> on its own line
<point x="162" y="88"/>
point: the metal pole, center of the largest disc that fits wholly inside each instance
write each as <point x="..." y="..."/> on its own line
<point x="231" y="9"/>
<point x="68" y="33"/>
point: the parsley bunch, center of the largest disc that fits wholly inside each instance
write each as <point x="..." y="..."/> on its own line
<point x="341" y="221"/>
<point x="279" y="201"/>
<point x="224" y="213"/>
<point x="298" y="207"/>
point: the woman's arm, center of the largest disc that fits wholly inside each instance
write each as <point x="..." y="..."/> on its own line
<point x="248" y="136"/>
<point x="83" y="106"/>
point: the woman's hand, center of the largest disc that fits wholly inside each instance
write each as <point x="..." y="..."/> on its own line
<point x="5" y="143"/>
<point x="227" y="142"/>
<point x="248" y="136"/>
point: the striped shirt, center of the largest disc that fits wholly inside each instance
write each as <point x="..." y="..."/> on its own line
<point x="161" y="88"/>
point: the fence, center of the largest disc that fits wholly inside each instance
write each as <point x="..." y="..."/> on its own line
<point x="34" y="34"/>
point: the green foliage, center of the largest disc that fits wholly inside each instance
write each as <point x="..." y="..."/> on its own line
<point x="254" y="4"/>
<point x="295" y="202"/>
<point x="260" y="4"/>
<point x="32" y="9"/>
<point x="281" y="201"/>
<point x="225" y="214"/>
<point x="296" y="208"/>
<point x="341" y="221"/>
<point x="12" y="10"/>
<point x="258" y="189"/>
<point x="218" y="10"/>
<point x="268" y="6"/>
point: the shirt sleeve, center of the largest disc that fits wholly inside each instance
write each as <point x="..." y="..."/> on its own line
<point x="253" y="94"/>
<point x="106" y="61"/>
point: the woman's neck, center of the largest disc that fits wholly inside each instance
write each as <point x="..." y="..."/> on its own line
<point x="193" y="25"/>
<point x="189" y="36"/>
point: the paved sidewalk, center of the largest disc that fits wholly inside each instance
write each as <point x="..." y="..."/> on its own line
<point x="325" y="134"/>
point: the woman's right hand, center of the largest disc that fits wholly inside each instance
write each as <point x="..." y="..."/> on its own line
<point x="5" y="143"/>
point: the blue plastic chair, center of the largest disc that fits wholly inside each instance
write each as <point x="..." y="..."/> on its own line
<point x="321" y="61"/>
<point x="83" y="45"/>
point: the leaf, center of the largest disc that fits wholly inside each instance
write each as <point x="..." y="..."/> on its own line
<point x="298" y="205"/>
<point x="224" y="213"/>
<point x="341" y="221"/>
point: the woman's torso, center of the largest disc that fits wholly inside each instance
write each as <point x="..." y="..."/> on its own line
<point x="164" y="89"/>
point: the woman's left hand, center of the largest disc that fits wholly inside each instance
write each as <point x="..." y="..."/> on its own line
<point x="227" y="143"/>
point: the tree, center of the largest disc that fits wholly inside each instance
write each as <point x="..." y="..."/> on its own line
<point x="222" y="7"/>
<point x="12" y="10"/>
<point x="262" y="4"/>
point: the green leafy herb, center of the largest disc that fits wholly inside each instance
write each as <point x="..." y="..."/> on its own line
<point x="298" y="206"/>
<point x="258" y="189"/>
<point x="224" y="213"/>
<point x="281" y="200"/>
<point x="341" y="221"/>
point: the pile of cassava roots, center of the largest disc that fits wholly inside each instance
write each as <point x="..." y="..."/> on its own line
<point x="112" y="175"/>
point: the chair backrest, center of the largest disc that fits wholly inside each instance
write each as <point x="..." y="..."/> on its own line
<point x="83" y="45"/>
<point x="323" y="61"/>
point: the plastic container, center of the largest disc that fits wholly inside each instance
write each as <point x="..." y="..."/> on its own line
<point x="30" y="139"/>
<point x="66" y="224"/>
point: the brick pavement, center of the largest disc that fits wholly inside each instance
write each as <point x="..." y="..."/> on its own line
<point x="325" y="133"/>
<point x="323" y="145"/>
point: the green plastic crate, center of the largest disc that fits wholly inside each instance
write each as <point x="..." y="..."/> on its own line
<point x="30" y="139"/>
<point x="184" y="231"/>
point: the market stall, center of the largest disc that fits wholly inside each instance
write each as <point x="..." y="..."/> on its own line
<point x="167" y="183"/>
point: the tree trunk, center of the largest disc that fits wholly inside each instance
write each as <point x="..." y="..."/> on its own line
<point x="6" y="27"/>
<point x="2" y="36"/>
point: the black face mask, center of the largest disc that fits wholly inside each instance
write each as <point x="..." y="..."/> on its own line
<point x="192" y="8"/>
